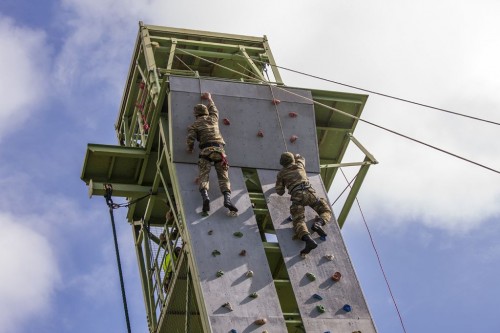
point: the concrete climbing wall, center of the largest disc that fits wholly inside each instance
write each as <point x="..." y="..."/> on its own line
<point x="334" y="295"/>
<point x="249" y="109"/>
<point x="216" y="233"/>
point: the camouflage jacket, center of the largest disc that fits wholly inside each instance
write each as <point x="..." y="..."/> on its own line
<point x="291" y="175"/>
<point x="205" y="129"/>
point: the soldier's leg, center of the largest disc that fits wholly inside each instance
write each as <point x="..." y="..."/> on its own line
<point x="299" y="226"/>
<point x="312" y="201"/>
<point x="323" y="209"/>
<point x="222" y="170"/>
<point x="204" y="166"/>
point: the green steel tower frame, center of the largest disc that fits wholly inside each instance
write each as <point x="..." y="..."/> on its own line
<point x="142" y="165"/>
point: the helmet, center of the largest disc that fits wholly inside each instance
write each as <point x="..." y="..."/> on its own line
<point x="286" y="158"/>
<point x="200" y="110"/>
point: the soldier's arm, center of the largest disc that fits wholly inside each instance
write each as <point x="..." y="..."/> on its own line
<point x="212" y="110"/>
<point x="280" y="187"/>
<point x="300" y="160"/>
<point x="191" y="138"/>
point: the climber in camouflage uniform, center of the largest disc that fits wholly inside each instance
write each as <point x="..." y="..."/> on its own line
<point x="205" y="129"/>
<point x="293" y="177"/>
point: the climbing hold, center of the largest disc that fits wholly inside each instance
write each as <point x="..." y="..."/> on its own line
<point x="311" y="276"/>
<point x="226" y="121"/>
<point x="293" y="114"/>
<point x="141" y="85"/>
<point x="231" y="213"/>
<point x="204" y="95"/>
<point x="317" y="297"/>
<point x="233" y="331"/>
<point x="254" y="295"/>
<point x="219" y="273"/>
<point x="336" y="276"/>
<point x="197" y="180"/>
<point x="275" y="101"/>
<point x="347" y="308"/>
<point x="238" y="234"/>
<point x="265" y="332"/>
<point x="329" y="257"/>
<point x="216" y="253"/>
<point x="249" y="274"/>
<point x="293" y="138"/>
<point x="260" y="134"/>
<point x="320" y="308"/>
<point x="260" y="321"/>
<point x="243" y="253"/>
<point x="228" y="306"/>
<point x="210" y="232"/>
<point x="289" y="218"/>
<point x="356" y="332"/>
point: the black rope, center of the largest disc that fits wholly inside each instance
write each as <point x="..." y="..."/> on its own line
<point x="381" y="94"/>
<point x="111" y="205"/>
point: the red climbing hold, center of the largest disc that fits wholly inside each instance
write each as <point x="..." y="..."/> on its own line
<point x="293" y="114"/>
<point x="260" y="134"/>
<point x="141" y="85"/>
<point x="336" y="277"/>
<point x="276" y="101"/>
<point x="226" y="121"/>
<point x="293" y="138"/>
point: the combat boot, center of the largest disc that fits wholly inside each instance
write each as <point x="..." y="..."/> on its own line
<point x="227" y="202"/>
<point x="316" y="227"/>
<point x="206" y="200"/>
<point x="310" y="244"/>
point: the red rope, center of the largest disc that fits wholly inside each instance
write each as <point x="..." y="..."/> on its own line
<point x="378" y="258"/>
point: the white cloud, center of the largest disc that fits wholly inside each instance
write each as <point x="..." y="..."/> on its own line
<point x="22" y="66"/>
<point x="29" y="273"/>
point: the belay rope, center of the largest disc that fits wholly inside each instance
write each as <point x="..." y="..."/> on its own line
<point x="109" y="201"/>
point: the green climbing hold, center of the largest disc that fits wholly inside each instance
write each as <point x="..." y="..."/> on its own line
<point x="216" y="253"/>
<point x="320" y="308"/>
<point x="220" y="273"/>
<point x="254" y="295"/>
<point x="311" y="276"/>
<point x="238" y="234"/>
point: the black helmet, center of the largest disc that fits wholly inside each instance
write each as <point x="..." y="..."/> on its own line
<point x="286" y="159"/>
<point x="200" y="110"/>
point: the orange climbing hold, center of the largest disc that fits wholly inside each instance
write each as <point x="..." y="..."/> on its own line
<point x="226" y="121"/>
<point x="276" y="101"/>
<point x="293" y="114"/>
<point x="260" y="134"/>
<point x="293" y="138"/>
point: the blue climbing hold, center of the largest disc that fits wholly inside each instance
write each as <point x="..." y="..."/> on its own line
<point x="317" y="297"/>
<point x="233" y="331"/>
<point x="323" y="238"/>
<point x="347" y="308"/>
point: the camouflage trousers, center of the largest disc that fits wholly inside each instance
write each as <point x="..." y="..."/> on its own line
<point x="207" y="156"/>
<point x="302" y="198"/>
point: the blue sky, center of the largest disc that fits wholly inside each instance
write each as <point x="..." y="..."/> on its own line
<point x="434" y="218"/>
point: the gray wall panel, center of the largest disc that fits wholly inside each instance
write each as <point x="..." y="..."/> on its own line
<point x="233" y="286"/>
<point x="334" y="294"/>
<point x="249" y="110"/>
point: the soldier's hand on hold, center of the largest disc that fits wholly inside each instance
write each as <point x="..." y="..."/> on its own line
<point x="207" y="96"/>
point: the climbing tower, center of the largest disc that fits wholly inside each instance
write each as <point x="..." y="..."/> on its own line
<point x="233" y="273"/>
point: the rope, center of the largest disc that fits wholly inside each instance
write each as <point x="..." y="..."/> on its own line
<point x="357" y="118"/>
<point x="278" y="116"/>
<point x="382" y="94"/>
<point x="348" y="185"/>
<point x="187" y="298"/>
<point x="378" y="258"/>
<point x="109" y="202"/>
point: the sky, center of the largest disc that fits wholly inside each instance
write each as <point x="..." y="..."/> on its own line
<point x="432" y="217"/>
